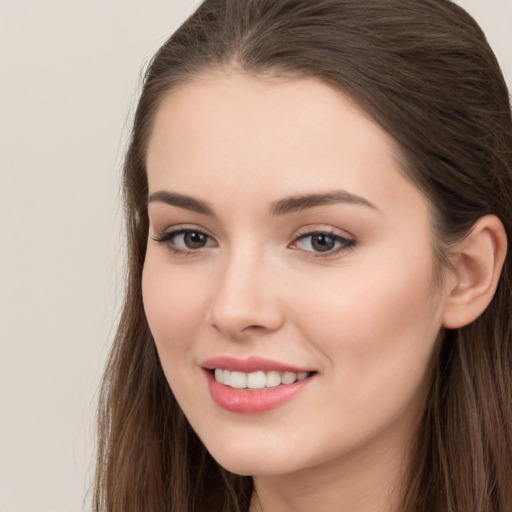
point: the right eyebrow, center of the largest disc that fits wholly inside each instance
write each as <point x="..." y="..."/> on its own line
<point x="181" y="201"/>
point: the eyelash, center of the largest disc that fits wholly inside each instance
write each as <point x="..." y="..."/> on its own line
<point x="345" y="244"/>
<point x="167" y="239"/>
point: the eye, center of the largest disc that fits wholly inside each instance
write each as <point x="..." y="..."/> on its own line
<point x="185" y="240"/>
<point x="323" y="242"/>
<point x="191" y="239"/>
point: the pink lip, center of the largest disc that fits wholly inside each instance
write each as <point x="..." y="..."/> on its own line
<point x="251" y="364"/>
<point x="253" y="401"/>
<point x="250" y="401"/>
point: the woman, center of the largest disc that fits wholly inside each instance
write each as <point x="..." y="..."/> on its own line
<point x="318" y="305"/>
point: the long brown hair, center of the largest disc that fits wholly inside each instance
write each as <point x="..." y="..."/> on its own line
<point x="424" y="71"/>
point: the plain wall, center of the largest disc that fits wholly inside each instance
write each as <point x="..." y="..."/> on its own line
<point x="69" y="76"/>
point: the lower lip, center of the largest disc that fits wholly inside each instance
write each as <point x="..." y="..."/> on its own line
<point x="253" y="401"/>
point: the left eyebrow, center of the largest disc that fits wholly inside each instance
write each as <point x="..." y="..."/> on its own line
<point x="303" y="202"/>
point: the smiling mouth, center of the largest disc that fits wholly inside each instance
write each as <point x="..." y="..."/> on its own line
<point x="258" y="379"/>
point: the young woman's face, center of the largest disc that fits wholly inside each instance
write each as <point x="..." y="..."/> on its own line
<point x="287" y="254"/>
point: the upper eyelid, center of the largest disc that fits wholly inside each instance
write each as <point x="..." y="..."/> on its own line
<point x="319" y="228"/>
<point x="180" y="228"/>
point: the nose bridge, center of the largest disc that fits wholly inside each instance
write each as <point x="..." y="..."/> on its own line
<point x="245" y="301"/>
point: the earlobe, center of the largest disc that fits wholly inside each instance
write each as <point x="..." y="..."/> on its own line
<point x="477" y="268"/>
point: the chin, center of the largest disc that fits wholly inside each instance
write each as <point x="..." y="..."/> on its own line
<point x="244" y="467"/>
<point x="252" y="460"/>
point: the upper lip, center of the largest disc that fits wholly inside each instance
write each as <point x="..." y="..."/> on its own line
<point x="250" y="364"/>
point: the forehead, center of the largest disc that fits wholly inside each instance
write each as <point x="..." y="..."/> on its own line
<point x="267" y="138"/>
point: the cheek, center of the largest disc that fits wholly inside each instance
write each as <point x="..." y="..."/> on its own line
<point x="175" y="308"/>
<point x="376" y="334"/>
<point x="174" y="303"/>
<point x="377" y="327"/>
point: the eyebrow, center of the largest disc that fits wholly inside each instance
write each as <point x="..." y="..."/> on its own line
<point x="282" y="207"/>
<point x="181" y="201"/>
<point x="303" y="202"/>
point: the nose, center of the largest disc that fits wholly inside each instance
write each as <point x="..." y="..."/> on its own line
<point x="245" y="302"/>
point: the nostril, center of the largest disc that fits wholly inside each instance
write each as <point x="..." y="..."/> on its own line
<point x="254" y="328"/>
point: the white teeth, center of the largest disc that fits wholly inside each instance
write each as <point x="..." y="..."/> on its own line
<point x="257" y="380"/>
<point x="238" y="380"/>
<point x="288" y="378"/>
<point x="273" y="379"/>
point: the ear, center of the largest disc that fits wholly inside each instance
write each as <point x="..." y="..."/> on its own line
<point x="477" y="267"/>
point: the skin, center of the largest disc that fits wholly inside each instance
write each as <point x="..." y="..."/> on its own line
<point x="365" y="318"/>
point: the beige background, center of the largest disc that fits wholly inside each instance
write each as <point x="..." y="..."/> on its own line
<point x="69" y="75"/>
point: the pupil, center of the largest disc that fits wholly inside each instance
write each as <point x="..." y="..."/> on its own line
<point x="322" y="243"/>
<point x="195" y="240"/>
